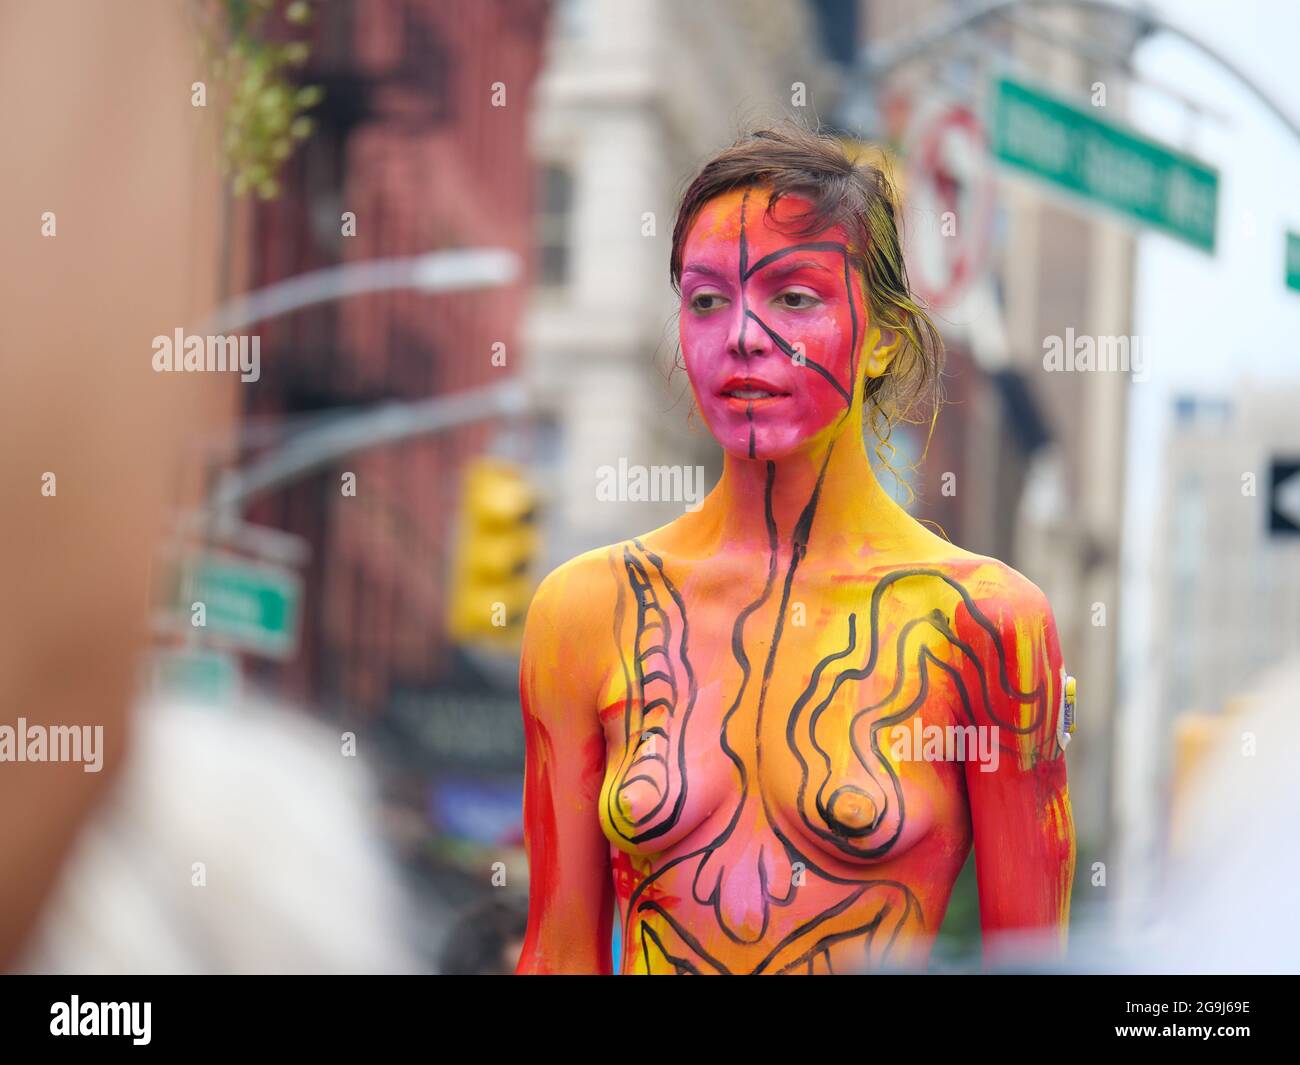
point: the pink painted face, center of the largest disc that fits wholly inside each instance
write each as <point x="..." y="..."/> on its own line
<point x="771" y="325"/>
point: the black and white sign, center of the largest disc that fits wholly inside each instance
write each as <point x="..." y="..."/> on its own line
<point x="1284" y="498"/>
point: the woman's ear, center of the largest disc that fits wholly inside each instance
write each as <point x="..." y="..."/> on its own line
<point x="879" y="349"/>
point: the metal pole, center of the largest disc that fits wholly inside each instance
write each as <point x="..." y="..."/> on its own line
<point x="313" y="448"/>
<point x="439" y="271"/>
<point x="878" y="61"/>
<point x="316" y="448"/>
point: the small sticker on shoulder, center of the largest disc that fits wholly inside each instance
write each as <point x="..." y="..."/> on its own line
<point x="1065" y="721"/>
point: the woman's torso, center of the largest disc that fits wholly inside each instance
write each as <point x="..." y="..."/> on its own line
<point x="765" y="812"/>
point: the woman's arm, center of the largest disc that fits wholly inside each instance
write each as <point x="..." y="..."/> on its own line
<point x="1020" y="809"/>
<point x="571" y="894"/>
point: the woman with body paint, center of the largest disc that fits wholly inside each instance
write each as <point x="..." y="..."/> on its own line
<point x="724" y="717"/>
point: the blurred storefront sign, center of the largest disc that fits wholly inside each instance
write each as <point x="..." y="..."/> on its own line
<point x="1293" y="261"/>
<point x="477" y="809"/>
<point x="951" y="190"/>
<point x="463" y="730"/>
<point x="1104" y="163"/>
<point x="466" y="747"/>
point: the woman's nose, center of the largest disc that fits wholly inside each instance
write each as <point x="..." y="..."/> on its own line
<point x="746" y="338"/>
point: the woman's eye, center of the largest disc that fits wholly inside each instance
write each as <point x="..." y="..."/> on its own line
<point x="797" y="301"/>
<point x="707" y="301"/>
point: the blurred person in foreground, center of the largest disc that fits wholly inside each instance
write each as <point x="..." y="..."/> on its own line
<point x="108" y="223"/>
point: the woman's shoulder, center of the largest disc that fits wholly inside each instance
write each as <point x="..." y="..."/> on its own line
<point x="1004" y="594"/>
<point x="984" y="585"/>
<point x="1005" y="619"/>
<point x="991" y="578"/>
<point x="585" y="588"/>
<point x="981" y="576"/>
<point x="1002" y="622"/>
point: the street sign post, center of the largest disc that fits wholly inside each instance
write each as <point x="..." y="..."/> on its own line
<point x="1104" y="163"/>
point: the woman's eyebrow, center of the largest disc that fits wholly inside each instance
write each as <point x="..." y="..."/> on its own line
<point x="781" y="269"/>
<point x="704" y="268"/>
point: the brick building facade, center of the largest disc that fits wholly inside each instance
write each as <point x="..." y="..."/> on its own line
<point x="411" y="140"/>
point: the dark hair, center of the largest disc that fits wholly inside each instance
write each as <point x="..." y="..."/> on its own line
<point x="860" y="197"/>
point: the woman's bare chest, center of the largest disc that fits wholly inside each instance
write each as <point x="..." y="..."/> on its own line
<point x="758" y="727"/>
<point x="754" y="780"/>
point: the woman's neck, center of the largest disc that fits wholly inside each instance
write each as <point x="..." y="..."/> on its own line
<point x="826" y="495"/>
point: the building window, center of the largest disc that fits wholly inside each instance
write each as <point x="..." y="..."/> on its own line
<point x="555" y="201"/>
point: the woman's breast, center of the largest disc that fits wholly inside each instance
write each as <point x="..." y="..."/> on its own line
<point x="667" y="776"/>
<point x="848" y="806"/>
<point x="773" y="864"/>
<point x="829" y="783"/>
<point x="754" y="794"/>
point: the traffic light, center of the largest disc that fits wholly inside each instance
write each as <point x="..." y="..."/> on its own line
<point x="492" y="582"/>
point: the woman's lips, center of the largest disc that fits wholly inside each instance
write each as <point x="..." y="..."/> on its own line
<point x="748" y="406"/>
<point x="748" y="393"/>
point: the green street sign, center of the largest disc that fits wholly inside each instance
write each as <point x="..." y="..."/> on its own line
<point x="1293" y="261"/>
<point x="208" y="676"/>
<point x="249" y="604"/>
<point x="1103" y="162"/>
